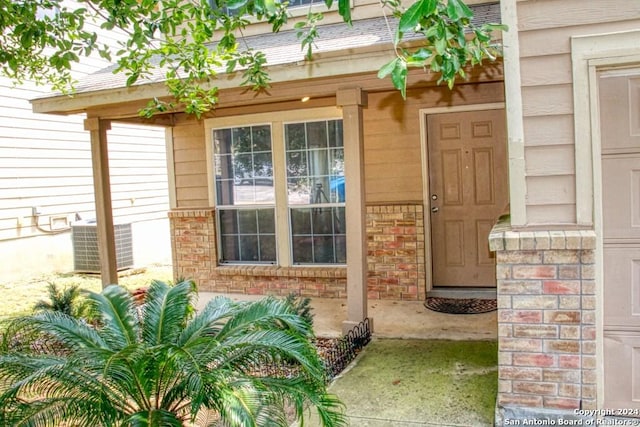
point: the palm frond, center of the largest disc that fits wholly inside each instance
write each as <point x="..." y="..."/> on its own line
<point x="266" y="313"/>
<point x="59" y="300"/>
<point x="166" y="311"/>
<point x="51" y="327"/>
<point x="209" y="321"/>
<point x="61" y="383"/>
<point x="49" y="412"/>
<point x="268" y="346"/>
<point x="116" y="306"/>
<point x="162" y="366"/>
<point x="240" y="407"/>
<point x="126" y="378"/>
<point x="154" y="417"/>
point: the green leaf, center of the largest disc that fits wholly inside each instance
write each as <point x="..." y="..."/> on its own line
<point x="270" y="6"/>
<point x="441" y="46"/>
<point x="235" y="4"/>
<point x="387" y="68"/>
<point x="412" y="17"/>
<point x="398" y="70"/>
<point x="495" y="27"/>
<point x="132" y="79"/>
<point x="399" y="77"/>
<point x="456" y="10"/>
<point x="421" y="54"/>
<point x="344" y="9"/>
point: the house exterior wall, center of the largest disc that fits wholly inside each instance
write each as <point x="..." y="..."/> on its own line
<point x="393" y="164"/>
<point x="393" y="171"/>
<point x="46" y="163"/>
<point x="547" y="266"/>
<point x="190" y="179"/>
<point x="395" y="244"/>
<point x="544" y="31"/>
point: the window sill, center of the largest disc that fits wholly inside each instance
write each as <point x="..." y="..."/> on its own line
<point x="276" y="271"/>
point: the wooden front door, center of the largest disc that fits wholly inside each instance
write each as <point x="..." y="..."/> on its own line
<point x="468" y="188"/>
<point x="620" y="135"/>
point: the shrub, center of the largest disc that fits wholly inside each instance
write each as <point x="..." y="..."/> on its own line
<point x="301" y="306"/>
<point x="161" y="364"/>
<point x="67" y="300"/>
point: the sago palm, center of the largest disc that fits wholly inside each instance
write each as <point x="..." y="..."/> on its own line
<point x="66" y="300"/>
<point x="162" y="364"/>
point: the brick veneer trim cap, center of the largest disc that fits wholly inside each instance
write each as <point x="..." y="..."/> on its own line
<point x="503" y="238"/>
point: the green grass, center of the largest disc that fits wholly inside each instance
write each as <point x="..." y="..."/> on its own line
<point x="18" y="298"/>
<point x="438" y="381"/>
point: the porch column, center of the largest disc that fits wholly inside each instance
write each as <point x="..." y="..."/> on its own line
<point x="102" y="189"/>
<point x="352" y="100"/>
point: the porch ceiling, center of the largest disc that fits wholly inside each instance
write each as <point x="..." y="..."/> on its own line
<point x="340" y="51"/>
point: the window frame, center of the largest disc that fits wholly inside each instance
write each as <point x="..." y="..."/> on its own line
<point x="277" y="121"/>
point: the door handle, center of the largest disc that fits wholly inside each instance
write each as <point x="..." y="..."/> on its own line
<point x="434" y="209"/>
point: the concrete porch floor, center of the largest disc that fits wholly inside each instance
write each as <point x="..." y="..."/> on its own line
<point x="393" y="319"/>
<point x="422" y="368"/>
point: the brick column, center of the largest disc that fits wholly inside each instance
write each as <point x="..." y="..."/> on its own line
<point x="546" y="318"/>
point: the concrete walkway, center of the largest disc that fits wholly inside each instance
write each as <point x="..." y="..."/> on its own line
<point x="409" y="382"/>
<point x="393" y="319"/>
<point x="422" y="368"/>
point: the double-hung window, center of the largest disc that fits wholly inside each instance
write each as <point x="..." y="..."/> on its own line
<point x="279" y="188"/>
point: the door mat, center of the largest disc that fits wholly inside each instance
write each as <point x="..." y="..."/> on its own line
<point x="461" y="305"/>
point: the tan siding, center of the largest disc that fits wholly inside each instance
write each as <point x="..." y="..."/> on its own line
<point x="545" y="31"/>
<point x="45" y="161"/>
<point x="549" y="130"/>
<point x="392" y="128"/>
<point x="195" y="169"/>
<point x="557" y="70"/>
<point x="552" y="214"/>
<point x="393" y="163"/>
<point x="550" y="160"/>
<point x="551" y="190"/>
<point x="189" y="153"/>
<point x="540" y="14"/>
<point x="547" y="100"/>
<point x="189" y="197"/>
<point x="189" y="181"/>
<point x="554" y="41"/>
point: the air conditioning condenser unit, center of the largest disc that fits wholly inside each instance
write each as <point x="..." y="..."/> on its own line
<point x="86" y="258"/>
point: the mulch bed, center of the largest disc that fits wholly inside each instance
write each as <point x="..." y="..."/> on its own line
<point x="461" y="305"/>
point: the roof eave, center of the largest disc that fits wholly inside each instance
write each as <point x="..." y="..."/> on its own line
<point x="327" y="64"/>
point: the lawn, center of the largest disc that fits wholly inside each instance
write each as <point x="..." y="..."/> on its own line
<point x="435" y="382"/>
<point x="19" y="297"/>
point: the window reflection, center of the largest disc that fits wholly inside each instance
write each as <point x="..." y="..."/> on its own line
<point x="244" y="166"/>
<point x="315" y="196"/>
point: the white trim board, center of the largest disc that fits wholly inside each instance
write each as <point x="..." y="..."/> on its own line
<point x="590" y="54"/>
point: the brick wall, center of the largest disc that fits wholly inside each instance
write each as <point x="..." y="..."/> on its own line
<point x="395" y="236"/>
<point x="395" y="244"/>
<point x="193" y="243"/>
<point x="546" y="318"/>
